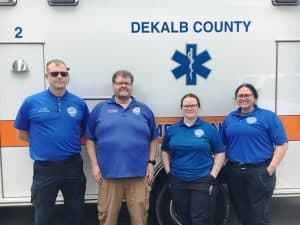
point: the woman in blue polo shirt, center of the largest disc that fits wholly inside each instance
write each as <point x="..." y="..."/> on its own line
<point x="187" y="154"/>
<point x="255" y="143"/>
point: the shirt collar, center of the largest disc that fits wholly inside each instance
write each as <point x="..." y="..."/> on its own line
<point x="56" y="97"/>
<point x="197" y="123"/>
<point x="133" y="102"/>
<point x="238" y="113"/>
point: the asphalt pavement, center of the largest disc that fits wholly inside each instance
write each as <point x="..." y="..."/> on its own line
<point x="284" y="211"/>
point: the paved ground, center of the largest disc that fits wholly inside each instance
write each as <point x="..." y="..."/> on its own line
<point x="285" y="211"/>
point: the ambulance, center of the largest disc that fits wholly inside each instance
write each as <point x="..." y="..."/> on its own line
<point x="172" y="47"/>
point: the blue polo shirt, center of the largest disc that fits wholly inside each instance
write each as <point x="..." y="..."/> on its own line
<point x="250" y="138"/>
<point x="122" y="137"/>
<point x="191" y="149"/>
<point x="54" y="124"/>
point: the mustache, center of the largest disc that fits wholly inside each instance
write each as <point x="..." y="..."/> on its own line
<point x="123" y="90"/>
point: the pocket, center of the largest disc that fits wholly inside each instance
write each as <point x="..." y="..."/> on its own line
<point x="223" y="174"/>
<point x="212" y="194"/>
<point x="147" y="185"/>
<point x="102" y="200"/>
<point x="75" y="170"/>
<point x="211" y="179"/>
<point x="267" y="181"/>
<point x="175" y="183"/>
<point x="33" y="193"/>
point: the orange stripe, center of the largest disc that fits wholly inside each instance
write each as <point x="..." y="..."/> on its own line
<point x="8" y="137"/>
<point x="170" y="120"/>
<point x="292" y="127"/>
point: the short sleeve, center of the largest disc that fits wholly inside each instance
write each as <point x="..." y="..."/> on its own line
<point x="22" y="121"/>
<point x="85" y="118"/>
<point x="91" y="124"/>
<point x="216" y="141"/>
<point x="277" y="131"/>
<point x="152" y="125"/>
<point x="165" y="142"/>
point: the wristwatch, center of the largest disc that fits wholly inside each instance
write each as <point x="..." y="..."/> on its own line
<point x="152" y="162"/>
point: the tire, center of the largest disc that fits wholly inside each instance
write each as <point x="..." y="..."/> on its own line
<point x="222" y="206"/>
<point x="161" y="211"/>
<point x="160" y="203"/>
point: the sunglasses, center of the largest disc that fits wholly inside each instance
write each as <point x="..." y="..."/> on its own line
<point x="62" y="73"/>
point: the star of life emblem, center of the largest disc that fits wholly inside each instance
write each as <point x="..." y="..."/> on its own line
<point x="191" y="64"/>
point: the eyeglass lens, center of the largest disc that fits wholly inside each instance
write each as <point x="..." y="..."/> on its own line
<point x="62" y="73"/>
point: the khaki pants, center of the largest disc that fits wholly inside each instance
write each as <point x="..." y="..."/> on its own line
<point x="136" y="191"/>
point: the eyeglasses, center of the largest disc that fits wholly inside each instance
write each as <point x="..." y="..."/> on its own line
<point x="193" y="106"/>
<point x="123" y="83"/>
<point x="244" y="96"/>
<point x="62" y="73"/>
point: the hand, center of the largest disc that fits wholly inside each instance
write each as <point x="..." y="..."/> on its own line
<point x="150" y="172"/>
<point x="270" y="170"/>
<point x="213" y="175"/>
<point x="96" y="174"/>
<point x="167" y="171"/>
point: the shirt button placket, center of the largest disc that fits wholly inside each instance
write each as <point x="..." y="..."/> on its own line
<point x="59" y="105"/>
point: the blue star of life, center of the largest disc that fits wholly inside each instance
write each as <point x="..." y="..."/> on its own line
<point x="191" y="64"/>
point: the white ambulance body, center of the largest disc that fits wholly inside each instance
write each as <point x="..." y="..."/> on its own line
<point x="172" y="47"/>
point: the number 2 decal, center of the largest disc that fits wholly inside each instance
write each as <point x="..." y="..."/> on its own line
<point x="18" y="31"/>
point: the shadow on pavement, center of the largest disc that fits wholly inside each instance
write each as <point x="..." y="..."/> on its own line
<point x="284" y="211"/>
<point x="24" y="215"/>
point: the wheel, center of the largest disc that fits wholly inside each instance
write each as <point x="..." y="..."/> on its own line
<point x="222" y="206"/>
<point x="161" y="211"/>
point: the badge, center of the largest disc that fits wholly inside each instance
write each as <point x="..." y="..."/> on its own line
<point x="136" y="110"/>
<point x="199" y="132"/>
<point x="251" y="120"/>
<point x="72" y="111"/>
<point x="112" y="110"/>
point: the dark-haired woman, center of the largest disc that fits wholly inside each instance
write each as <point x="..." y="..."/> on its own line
<point x="255" y="143"/>
<point x="187" y="154"/>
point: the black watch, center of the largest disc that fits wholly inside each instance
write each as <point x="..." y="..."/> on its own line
<point x="152" y="162"/>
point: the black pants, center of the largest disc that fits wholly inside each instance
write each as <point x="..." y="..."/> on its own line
<point x="194" y="201"/>
<point x="50" y="177"/>
<point x="251" y="190"/>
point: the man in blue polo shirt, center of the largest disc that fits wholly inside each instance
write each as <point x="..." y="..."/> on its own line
<point x="52" y="122"/>
<point x="121" y="144"/>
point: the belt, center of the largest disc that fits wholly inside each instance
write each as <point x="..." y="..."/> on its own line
<point x="58" y="163"/>
<point x="249" y="165"/>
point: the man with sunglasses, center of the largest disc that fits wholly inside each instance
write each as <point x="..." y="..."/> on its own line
<point x="121" y="144"/>
<point x="53" y="121"/>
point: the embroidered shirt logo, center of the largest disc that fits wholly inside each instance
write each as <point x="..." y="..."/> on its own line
<point x="112" y="110"/>
<point x="72" y="111"/>
<point x="43" y="110"/>
<point x="251" y="120"/>
<point x="136" y="110"/>
<point x="199" y="132"/>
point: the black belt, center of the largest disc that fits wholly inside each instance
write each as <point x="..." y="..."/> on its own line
<point x="249" y="165"/>
<point x="58" y="163"/>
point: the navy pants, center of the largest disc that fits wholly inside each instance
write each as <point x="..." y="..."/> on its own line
<point x="251" y="190"/>
<point x="194" y="201"/>
<point x="50" y="177"/>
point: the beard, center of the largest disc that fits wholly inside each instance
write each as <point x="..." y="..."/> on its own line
<point x="123" y="95"/>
